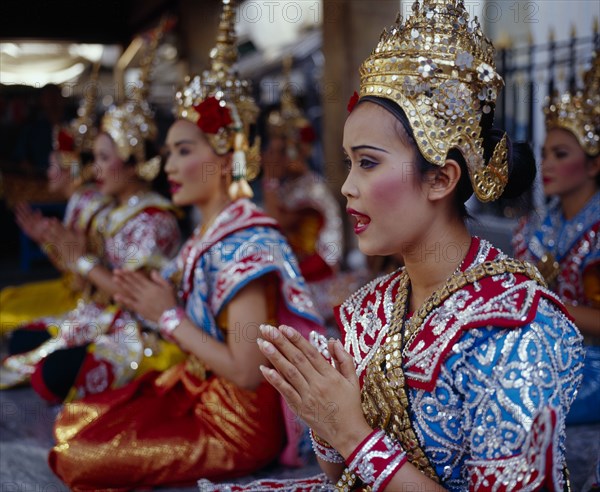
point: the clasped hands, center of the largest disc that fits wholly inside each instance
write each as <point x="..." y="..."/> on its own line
<point x="325" y="396"/>
<point x="63" y="245"/>
<point x="31" y="222"/>
<point x="66" y="244"/>
<point x="148" y="296"/>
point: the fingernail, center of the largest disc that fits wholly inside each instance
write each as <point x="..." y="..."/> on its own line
<point x="266" y="370"/>
<point x="289" y="332"/>
<point x="266" y="347"/>
<point x="269" y="331"/>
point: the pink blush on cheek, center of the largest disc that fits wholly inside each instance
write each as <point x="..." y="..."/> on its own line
<point x="390" y="188"/>
<point x="571" y="169"/>
<point x="194" y="171"/>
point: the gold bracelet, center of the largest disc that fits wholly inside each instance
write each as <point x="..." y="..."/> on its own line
<point x="319" y="440"/>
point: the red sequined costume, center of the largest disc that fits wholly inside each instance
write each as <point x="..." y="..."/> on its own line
<point x="141" y="233"/>
<point x="175" y="427"/>
<point x="490" y="367"/>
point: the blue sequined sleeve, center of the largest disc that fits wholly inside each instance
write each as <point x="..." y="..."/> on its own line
<point x="491" y="388"/>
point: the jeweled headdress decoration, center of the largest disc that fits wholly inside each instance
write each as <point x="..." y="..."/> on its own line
<point x="131" y="123"/>
<point x="78" y="136"/>
<point x="579" y="112"/>
<point x="83" y="128"/>
<point x="222" y="106"/>
<point x="289" y="118"/>
<point x="439" y="68"/>
<point x="64" y="145"/>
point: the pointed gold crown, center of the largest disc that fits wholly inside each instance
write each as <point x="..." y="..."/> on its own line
<point x="289" y="118"/>
<point x="83" y="128"/>
<point x="579" y="112"/>
<point x="78" y="136"/>
<point x="131" y="123"/>
<point x="221" y="85"/>
<point x="439" y="68"/>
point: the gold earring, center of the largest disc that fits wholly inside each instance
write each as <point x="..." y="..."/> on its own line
<point x="148" y="170"/>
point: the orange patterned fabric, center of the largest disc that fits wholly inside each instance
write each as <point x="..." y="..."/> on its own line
<point x="175" y="427"/>
<point x="167" y="429"/>
<point x="591" y="284"/>
<point x="305" y="232"/>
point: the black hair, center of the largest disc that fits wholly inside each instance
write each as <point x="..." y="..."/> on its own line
<point x="86" y="157"/>
<point x="160" y="183"/>
<point x="590" y="158"/>
<point x="521" y="161"/>
<point x="150" y="151"/>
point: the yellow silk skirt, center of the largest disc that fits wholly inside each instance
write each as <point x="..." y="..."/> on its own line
<point x="24" y="303"/>
<point x="167" y="429"/>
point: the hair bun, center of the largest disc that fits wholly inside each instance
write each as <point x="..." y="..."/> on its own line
<point x="521" y="162"/>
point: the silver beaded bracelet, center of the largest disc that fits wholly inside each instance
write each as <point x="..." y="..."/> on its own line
<point x="85" y="264"/>
<point x="324" y="450"/>
<point x="169" y="320"/>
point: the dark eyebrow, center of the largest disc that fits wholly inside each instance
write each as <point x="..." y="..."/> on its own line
<point x="371" y="147"/>
<point x="183" y="142"/>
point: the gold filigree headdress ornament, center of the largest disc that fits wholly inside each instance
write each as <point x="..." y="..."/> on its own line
<point x="222" y="106"/>
<point x="440" y="69"/>
<point x="78" y="137"/>
<point x="289" y="120"/>
<point x="579" y="112"/>
<point x="131" y="123"/>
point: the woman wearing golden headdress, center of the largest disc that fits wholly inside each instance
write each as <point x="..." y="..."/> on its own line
<point x="212" y="415"/>
<point x="99" y="345"/>
<point x="69" y="176"/>
<point x="456" y="371"/>
<point x="299" y="198"/>
<point x="565" y="241"/>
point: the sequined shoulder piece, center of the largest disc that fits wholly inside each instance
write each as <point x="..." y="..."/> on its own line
<point x="507" y="300"/>
<point x="238" y="215"/>
<point x="82" y="207"/>
<point x="365" y="318"/>
<point x="120" y="215"/>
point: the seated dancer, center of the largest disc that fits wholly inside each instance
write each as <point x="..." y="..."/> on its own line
<point x="213" y="415"/>
<point x="456" y="371"/>
<point x="564" y="242"/>
<point x="69" y="175"/>
<point x="301" y="201"/>
<point x="98" y="345"/>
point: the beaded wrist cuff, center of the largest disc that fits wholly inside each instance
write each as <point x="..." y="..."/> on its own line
<point x="84" y="265"/>
<point x="169" y="320"/>
<point x="324" y="450"/>
<point x="376" y="460"/>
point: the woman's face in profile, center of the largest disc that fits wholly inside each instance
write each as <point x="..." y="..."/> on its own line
<point x="383" y="191"/>
<point x="194" y="171"/>
<point x="112" y="175"/>
<point x="566" y="169"/>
